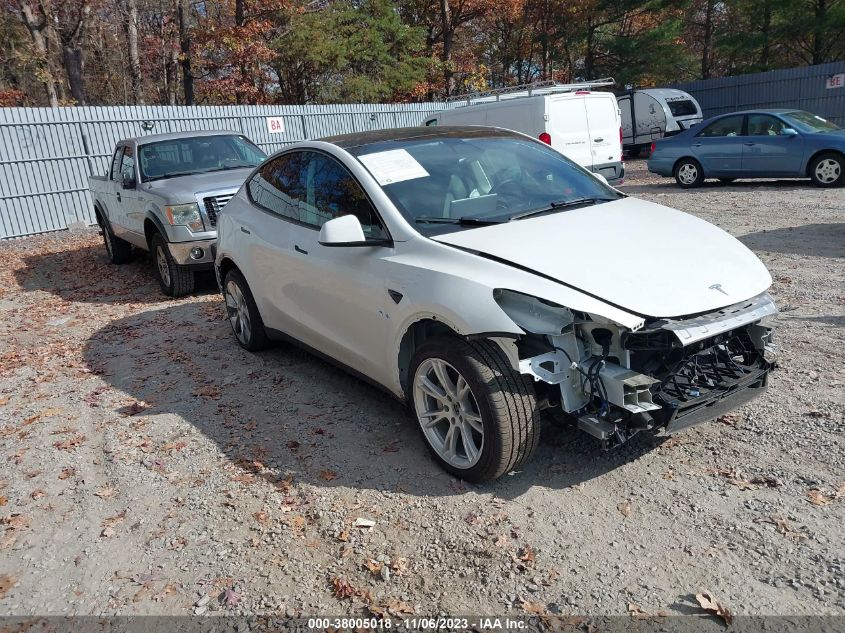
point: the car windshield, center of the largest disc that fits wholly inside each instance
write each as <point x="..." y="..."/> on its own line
<point x="197" y="155"/>
<point x="809" y="122"/>
<point x="456" y="181"/>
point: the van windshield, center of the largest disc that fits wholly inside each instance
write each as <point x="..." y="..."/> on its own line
<point x="448" y="182"/>
<point x="197" y="155"/>
<point x="682" y="108"/>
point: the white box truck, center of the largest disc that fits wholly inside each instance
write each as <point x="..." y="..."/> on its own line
<point x="582" y="124"/>
<point x="655" y="113"/>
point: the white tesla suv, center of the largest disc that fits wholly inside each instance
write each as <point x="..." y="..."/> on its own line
<point x="481" y="277"/>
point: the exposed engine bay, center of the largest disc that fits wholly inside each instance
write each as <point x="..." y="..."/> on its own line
<point x="667" y="375"/>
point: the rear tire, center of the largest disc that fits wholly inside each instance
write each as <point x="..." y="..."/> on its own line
<point x="828" y="170"/>
<point x="117" y="250"/>
<point x="242" y="312"/>
<point x="478" y="416"/>
<point x="688" y="173"/>
<point x="174" y="279"/>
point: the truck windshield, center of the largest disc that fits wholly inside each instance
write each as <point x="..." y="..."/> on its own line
<point x="197" y="155"/>
<point x="453" y="181"/>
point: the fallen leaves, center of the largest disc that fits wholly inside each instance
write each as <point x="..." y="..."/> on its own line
<point x="6" y="583"/>
<point x="70" y="443"/>
<point x="109" y="524"/>
<point x="134" y="408"/>
<point x="820" y="497"/>
<point x="230" y="597"/>
<point x="526" y="554"/>
<point x="328" y="475"/>
<point x="707" y="602"/>
<point x="625" y="508"/>
<point x="15" y="521"/>
<point x="533" y="608"/>
<point x="105" y="493"/>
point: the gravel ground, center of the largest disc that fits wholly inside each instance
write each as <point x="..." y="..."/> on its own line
<point x="151" y="466"/>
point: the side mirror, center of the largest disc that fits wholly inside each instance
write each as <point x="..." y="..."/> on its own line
<point x="788" y="131"/>
<point x="346" y="231"/>
<point x="128" y="182"/>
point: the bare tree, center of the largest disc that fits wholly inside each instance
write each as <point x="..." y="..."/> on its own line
<point x="129" y="9"/>
<point x="37" y="24"/>
<point x="183" y="11"/>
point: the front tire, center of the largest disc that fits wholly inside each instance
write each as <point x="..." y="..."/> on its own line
<point x="688" y="173"/>
<point x="242" y="312"/>
<point x="479" y="417"/>
<point x="828" y="170"/>
<point x="174" y="279"/>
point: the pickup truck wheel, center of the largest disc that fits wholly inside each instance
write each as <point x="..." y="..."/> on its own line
<point x="243" y="314"/>
<point x="688" y="173"/>
<point x="478" y="416"/>
<point x="175" y="280"/>
<point x="828" y="170"/>
<point x="118" y="251"/>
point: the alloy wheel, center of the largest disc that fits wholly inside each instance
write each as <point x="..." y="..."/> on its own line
<point x="828" y="171"/>
<point x="163" y="266"/>
<point x="238" y="312"/>
<point x="687" y="173"/>
<point x="448" y="413"/>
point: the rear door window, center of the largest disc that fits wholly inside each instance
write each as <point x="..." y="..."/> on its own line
<point x="729" y="126"/>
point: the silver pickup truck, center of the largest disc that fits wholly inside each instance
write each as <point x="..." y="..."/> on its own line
<point x="162" y="194"/>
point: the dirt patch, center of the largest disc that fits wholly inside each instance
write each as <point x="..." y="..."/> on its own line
<point x="151" y="466"/>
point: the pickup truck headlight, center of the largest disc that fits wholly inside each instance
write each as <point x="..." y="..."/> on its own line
<point x="185" y="215"/>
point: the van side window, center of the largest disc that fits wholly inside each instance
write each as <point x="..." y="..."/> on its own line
<point x="729" y="126"/>
<point x="431" y="123"/>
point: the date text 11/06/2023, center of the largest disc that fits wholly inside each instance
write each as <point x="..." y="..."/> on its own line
<point x="488" y="623"/>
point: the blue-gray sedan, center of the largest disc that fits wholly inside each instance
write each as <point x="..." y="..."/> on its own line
<point x="754" y="144"/>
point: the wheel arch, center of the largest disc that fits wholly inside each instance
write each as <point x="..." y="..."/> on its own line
<point x="226" y="265"/>
<point x="415" y="335"/>
<point x="153" y="225"/>
<point x="818" y="153"/>
<point x="686" y="157"/>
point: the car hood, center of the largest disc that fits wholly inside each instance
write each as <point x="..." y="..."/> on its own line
<point x="643" y="257"/>
<point x="185" y="188"/>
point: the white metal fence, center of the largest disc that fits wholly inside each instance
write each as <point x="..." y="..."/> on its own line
<point x="47" y="154"/>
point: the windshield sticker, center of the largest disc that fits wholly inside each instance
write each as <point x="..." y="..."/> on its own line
<point x="393" y="166"/>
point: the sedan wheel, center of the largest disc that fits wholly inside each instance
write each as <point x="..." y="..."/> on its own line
<point x="688" y="173"/>
<point x="827" y="170"/>
<point x="479" y="417"/>
<point x="448" y="413"/>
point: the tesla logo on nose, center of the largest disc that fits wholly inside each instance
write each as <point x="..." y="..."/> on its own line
<point x="719" y="288"/>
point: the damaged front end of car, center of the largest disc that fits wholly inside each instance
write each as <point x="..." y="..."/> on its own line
<point x="663" y="376"/>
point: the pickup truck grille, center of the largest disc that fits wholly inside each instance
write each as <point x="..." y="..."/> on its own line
<point x="213" y="204"/>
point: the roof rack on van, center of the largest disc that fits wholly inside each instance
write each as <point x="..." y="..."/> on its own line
<point x="529" y="90"/>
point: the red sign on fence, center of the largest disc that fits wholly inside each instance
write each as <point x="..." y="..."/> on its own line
<point x="835" y="81"/>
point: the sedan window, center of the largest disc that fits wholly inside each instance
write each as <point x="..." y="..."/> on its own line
<point x="764" y="125"/>
<point x="728" y="126"/>
<point x="809" y="122"/>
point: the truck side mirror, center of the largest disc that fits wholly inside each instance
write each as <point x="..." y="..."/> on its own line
<point x="128" y="182"/>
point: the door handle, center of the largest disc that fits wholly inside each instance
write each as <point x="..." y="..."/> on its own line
<point x="299" y="250"/>
<point x="118" y="196"/>
<point x="749" y="144"/>
<point x="696" y="144"/>
<point x="597" y="140"/>
<point x="243" y="230"/>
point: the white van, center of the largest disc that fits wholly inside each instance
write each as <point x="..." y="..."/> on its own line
<point x="583" y="125"/>
<point x="655" y="112"/>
